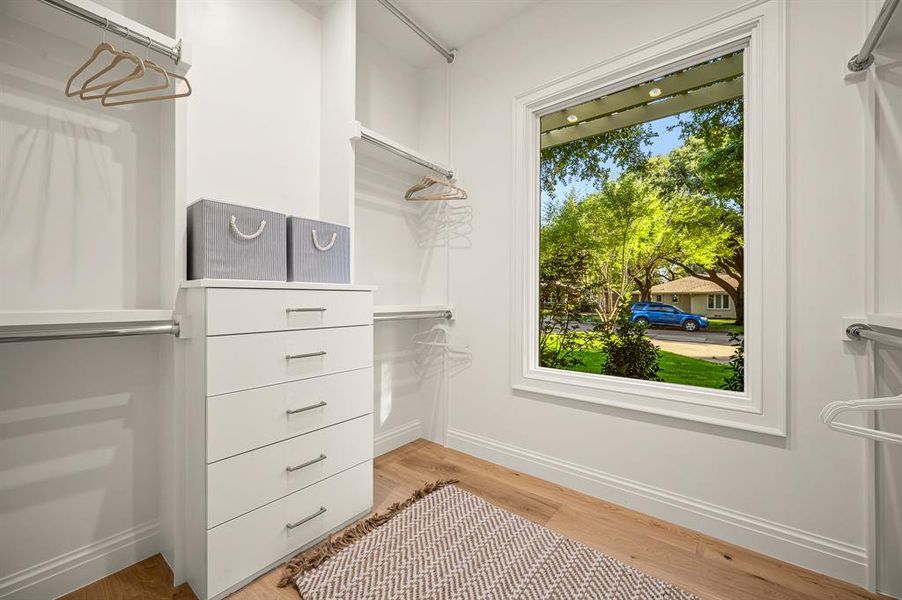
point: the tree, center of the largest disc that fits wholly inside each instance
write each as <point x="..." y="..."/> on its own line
<point x="710" y="164"/>
<point x="626" y="236"/>
<point x="591" y="158"/>
<point x="700" y="187"/>
<point x="561" y="292"/>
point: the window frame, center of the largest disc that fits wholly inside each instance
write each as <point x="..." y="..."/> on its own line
<point x="759" y="28"/>
<point x="718" y="298"/>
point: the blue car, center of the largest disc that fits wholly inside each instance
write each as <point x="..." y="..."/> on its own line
<point x="658" y="313"/>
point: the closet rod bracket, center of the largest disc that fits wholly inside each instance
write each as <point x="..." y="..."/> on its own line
<point x="863" y="331"/>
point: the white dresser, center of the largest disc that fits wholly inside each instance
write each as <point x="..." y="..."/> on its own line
<point x="279" y="444"/>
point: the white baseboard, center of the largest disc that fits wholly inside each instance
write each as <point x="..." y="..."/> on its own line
<point x="812" y="551"/>
<point x="388" y="440"/>
<point x="78" y="568"/>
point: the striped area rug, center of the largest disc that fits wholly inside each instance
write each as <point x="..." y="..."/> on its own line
<point x="445" y="543"/>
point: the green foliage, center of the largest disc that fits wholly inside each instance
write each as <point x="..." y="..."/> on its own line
<point x="629" y="352"/>
<point x="673" y="368"/>
<point x="679" y="214"/>
<point x="561" y="291"/>
<point x="735" y="381"/>
<point x="628" y="233"/>
<point x="585" y="159"/>
<point x="719" y="128"/>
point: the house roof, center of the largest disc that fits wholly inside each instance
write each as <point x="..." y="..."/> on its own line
<point x="691" y="285"/>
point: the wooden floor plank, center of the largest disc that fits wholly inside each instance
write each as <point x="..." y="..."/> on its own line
<point x="710" y="568"/>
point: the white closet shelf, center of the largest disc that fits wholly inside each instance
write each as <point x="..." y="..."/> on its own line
<point x="26" y="318"/>
<point x="274" y="285"/>
<point x="383" y="148"/>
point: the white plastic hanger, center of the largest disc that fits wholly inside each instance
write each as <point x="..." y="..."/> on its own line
<point x="834" y="409"/>
<point x="439" y="354"/>
<point x="438" y="336"/>
<point x="433" y="188"/>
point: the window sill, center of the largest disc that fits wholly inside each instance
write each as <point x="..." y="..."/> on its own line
<point x="728" y="417"/>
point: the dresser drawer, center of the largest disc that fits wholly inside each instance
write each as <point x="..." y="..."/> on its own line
<point x="242" y="483"/>
<point x="244" y="546"/>
<point x="240" y="362"/>
<point x="250" y="311"/>
<point x="242" y="421"/>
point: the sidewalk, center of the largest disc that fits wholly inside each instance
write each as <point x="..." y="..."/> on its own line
<point x="717" y="353"/>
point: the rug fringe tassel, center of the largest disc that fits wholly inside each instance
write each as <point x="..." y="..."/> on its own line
<point x="313" y="558"/>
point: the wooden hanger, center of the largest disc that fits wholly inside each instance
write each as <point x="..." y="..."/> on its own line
<point x="100" y="49"/>
<point x="149" y="65"/>
<point x="137" y="73"/>
<point x="447" y="190"/>
<point x="171" y="75"/>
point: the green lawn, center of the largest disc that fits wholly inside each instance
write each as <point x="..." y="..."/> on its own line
<point x="672" y="368"/>
<point x="728" y="325"/>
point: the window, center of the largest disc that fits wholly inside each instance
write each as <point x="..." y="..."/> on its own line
<point x="599" y="157"/>
<point x="718" y="301"/>
<point x="641" y="187"/>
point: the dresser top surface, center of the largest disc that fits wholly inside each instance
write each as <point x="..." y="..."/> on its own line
<point x="274" y="285"/>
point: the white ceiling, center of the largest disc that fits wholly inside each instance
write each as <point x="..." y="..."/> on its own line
<point x="453" y="23"/>
<point x="456" y="22"/>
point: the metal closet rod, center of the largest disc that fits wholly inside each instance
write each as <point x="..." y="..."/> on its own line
<point x="435" y="314"/>
<point x="90" y="330"/>
<point x="403" y="154"/>
<point x="173" y="52"/>
<point x="865" y="57"/>
<point x="861" y="331"/>
<point x="448" y="54"/>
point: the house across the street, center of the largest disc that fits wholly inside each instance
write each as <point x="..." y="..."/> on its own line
<point x="695" y="295"/>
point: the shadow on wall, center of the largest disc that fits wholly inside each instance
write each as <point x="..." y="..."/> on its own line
<point x="889" y="477"/>
<point x="79" y="185"/>
<point x="411" y="367"/>
<point x="408" y="246"/>
<point x="430" y="224"/>
<point x="78" y="447"/>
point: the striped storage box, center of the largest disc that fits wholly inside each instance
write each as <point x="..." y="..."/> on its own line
<point x="227" y="241"/>
<point x="318" y="251"/>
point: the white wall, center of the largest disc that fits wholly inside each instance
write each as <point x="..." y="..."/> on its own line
<point x="888" y="299"/>
<point x="801" y="499"/>
<point x="80" y="184"/>
<point x="254" y="119"/>
<point x="80" y="199"/>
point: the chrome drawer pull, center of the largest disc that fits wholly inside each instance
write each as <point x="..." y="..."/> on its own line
<point x="308" y="355"/>
<point x="321" y="510"/>
<point x="305" y="408"/>
<point x="321" y="458"/>
<point x="317" y="309"/>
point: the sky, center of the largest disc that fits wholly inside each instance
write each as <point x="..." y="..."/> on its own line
<point x="662" y="144"/>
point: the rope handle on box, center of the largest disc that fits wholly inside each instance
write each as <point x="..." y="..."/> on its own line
<point x="245" y="236"/>
<point x="327" y="246"/>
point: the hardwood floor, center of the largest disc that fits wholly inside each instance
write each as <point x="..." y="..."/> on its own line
<point x="705" y="566"/>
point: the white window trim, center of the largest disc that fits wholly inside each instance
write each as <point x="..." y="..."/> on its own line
<point x="724" y="301"/>
<point x="760" y="28"/>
